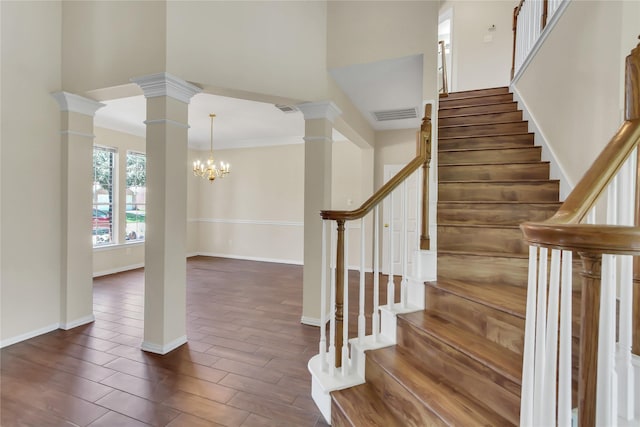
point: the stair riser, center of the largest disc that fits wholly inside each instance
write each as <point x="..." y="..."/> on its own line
<point x="481" y="239"/>
<point x="483" y="130"/>
<point x="510" y="171"/>
<point x="484" y="269"/>
<point x="482" y="142"/>
<point x="494" y="213"/>
<point x="511" y="116"/>
<point x="473" y="379"/>
<point x="495" y="325"/>
<point x="478" y="109"/>
<point x="398" y="399"/>
<point x="537" y="191"/>
<point x="480" y="100"/>
<point x="476" y="92"/>
<point x="528" y="154"/>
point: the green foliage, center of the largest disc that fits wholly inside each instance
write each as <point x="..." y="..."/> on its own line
<point x="136" y="170"/>
<point x="102" y="166"/>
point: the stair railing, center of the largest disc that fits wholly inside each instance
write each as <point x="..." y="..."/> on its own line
<point x="442" y="69"/>
<point x="341" y="359"/>
<point x="609" y="338"/>
<point x="530" y="17"/>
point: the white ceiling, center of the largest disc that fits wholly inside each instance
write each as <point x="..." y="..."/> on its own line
<point x="241" y="123"/>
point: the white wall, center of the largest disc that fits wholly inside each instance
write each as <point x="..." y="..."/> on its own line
<point x="480" y="58"/>
<point x="573" y="86"/>
<point x="30" y="169"/>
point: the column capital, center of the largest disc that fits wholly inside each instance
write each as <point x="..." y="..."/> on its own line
<point x="320" y="110"/>
<point x="165" y="84"/>
<point x="76" y="103"/>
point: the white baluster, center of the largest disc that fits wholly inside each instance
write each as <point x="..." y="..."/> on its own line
<point x="405" y="246"/>
<point x="323" y="300"/>
<point x="605" y="386"/>
<point x="375" y="317"/>
<point x="548" y="413"/>
<point x="361" y="318"/>
<point x="391" y="287"/>
<point x="564" y="365"/>
<point x="332" y="309"/>
<point x="345" y="310"/>
<point x="541" y="326"/>
<point x="528" y="374"/>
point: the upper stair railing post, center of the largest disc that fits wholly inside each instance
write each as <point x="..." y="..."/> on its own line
<point x="424" y="143"/>
<point x="443" y="60"/>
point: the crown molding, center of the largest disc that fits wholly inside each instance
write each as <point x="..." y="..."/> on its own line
<point x="320" y="110"/>
<point x="165" y="84"/>
<point x="76" y="103"/>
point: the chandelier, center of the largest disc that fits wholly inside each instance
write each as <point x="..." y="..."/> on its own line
<point x="209" y="169"/>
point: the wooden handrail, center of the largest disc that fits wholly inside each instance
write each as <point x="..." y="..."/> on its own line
<point x="563" y="231"/>
<point x="516" y="12"/>
<point x="424" y="155"/>
<point x="443" y="59"/>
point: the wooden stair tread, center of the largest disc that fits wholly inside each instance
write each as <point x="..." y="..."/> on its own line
<point x="475" y="93"/>
<point x="481" y="124"/>
<point x="433" y="391"/>
<point x="488" y="104"/>
<point x="482" y="136"/>
<point x="488" y="353"/>
<point x="463" y="225"/>
<point x="497" y="163"/>
<point x="503" y="181"/>
<point x="510" y="299"/>
<point x="466" y="150"/>
<point x="498" y="202"/>
<point x="362" y="406"/>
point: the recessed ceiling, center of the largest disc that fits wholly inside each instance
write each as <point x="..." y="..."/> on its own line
<point x="239" y="123"/>
<point x="390" y="85"/>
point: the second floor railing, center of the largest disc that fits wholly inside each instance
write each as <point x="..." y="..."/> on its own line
<point x="443" y="83"/>
<point x="608" y="353"/>
<point x="530" y="18"/>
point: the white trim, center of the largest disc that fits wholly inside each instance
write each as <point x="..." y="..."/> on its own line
<point x="541" y="39"/>
<point x="76" y="103"/>
<point x="248" y="221"/>
<point x="28" y="335"/>
<point x="78" y="322"/>
<point x="548" y="154"/>
<point x="251" y="258"/>
<point x="74" y="133"/>
<point x="163" y="349"/>
<point x="317" y="139"/>
<point x="168" y="121"/>
<point x="115" y="246"/>
<point x="320" y="110"/>
<point x="311" y="321"/>
<point x="166" y="84"/>
<point x="118" y="269"/>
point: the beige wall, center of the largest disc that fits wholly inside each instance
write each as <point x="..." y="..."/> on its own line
<point x="572" y="88"/>
<point x="106" y="43"/>
<point x="478" y="63"/>
<point x="360" y="32"/>
<point x="30" y="169"/>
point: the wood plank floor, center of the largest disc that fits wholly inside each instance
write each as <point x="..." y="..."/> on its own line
<point x="245" y="363"/>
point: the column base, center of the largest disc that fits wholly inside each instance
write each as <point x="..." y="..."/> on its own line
<point x="163" y="349"/>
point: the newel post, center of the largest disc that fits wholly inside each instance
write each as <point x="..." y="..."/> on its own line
<point x="425" y="148"/>
<point x="632" y="112"/>
<point x="339" y="292"/>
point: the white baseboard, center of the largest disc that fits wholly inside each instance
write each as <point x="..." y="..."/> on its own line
<point x="251" y="258"/>
<point x="163" y="349"/>
<point x="78" y="322"/>
<point x="311" y="321"/>
<point x="118" y="269"/>
<point x="22" y="337"/>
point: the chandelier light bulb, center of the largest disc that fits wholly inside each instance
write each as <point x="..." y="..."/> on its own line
<point x="210" y="171"/>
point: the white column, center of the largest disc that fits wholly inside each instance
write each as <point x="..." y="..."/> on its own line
<point x="76" y="293"/>
<point x="165" y="240"/>
<point x="319" y="118"/>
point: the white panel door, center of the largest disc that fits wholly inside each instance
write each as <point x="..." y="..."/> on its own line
<point x="411" y="235"/>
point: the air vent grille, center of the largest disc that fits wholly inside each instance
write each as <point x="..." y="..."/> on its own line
<point x="399" y="114"/>
<point x="286" y="108"/>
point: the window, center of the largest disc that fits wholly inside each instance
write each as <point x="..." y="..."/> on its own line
<point x="136" y="195"/>
<point x="103" y="177"/>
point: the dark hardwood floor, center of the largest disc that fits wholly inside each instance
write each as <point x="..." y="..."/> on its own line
<point x="245" y="363"/>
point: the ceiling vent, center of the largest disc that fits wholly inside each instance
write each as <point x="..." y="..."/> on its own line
<point x="400" y="114"/>
<point x="286" y="108"/>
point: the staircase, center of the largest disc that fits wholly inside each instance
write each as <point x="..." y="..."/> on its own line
<point x="459" y="361"/>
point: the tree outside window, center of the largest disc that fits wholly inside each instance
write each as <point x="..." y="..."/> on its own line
<point x="103" y="172"/>
<point x="136" y="196"/>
